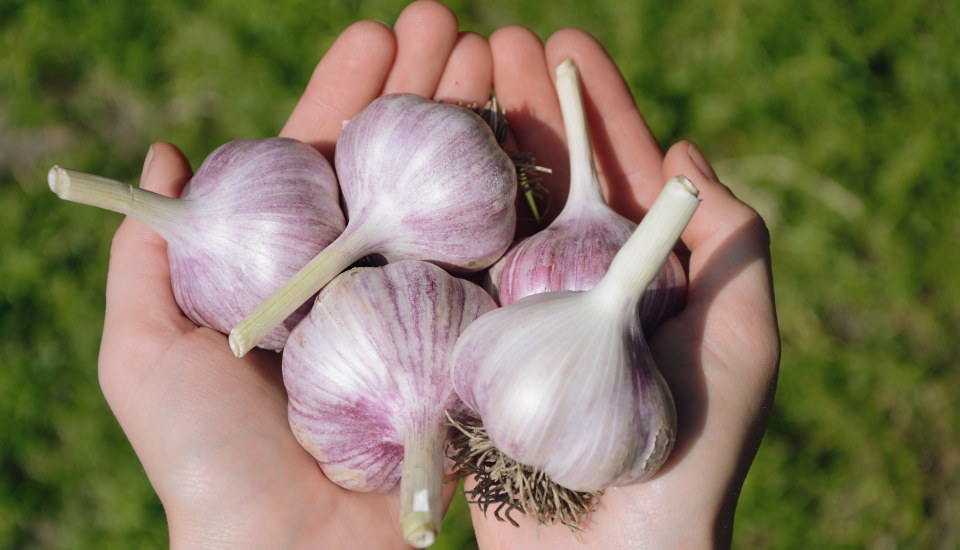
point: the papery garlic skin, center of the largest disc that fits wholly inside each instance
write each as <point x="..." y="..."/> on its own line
<point x="565" y="382"/>
<point x="576" y="398"/>
<point x="368" y="378"/>
<point x="254" y="213"/>
<point x="421" y="181"/>
<point x="433" y="173"/>
<point x="575" y="250"/>
<point x="264" y="208"/>
<point x="572" y="253"/>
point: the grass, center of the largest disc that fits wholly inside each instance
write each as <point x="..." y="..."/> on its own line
<point x="838" y="121"/>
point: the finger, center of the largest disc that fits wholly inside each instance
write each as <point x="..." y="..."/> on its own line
<point x="628" y="156"/>
<point x="138" y="290"/>
<point x="720" y="355"/>
<point x="350" y="76"/>
<point x="729" y="270"/>
<point x="426" y="32"/>
<point x="468" y="75"/>
<point x="524" y="87"/>
<point x="720" y="214"/>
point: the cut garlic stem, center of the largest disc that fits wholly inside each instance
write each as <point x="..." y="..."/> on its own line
<point x="641" y="258"/>
<point x="160" y="213"/>
<point x="584" y="182"/>
<point x="420" y="487"/>
<point x="298" y="289"/>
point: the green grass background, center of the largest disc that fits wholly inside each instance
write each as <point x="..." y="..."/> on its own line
<point x="839" y="121"/>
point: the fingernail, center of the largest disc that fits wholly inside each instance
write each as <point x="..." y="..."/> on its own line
<point x="700" y="161"/>
<point x="146" y="165"/>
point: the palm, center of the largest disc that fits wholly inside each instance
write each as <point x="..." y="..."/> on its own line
<point x="210" y="429"/>
<point x="211" y="432"/>
<point x="719" y="356"/>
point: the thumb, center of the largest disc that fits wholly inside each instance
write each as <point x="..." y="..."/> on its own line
<point x="138" y="279"/>
<point x="139" y="296"/>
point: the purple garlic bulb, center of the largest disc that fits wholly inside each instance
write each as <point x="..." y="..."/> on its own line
<point x="421" y="180"/>
<point x="565" y="382"/>
<point x="255" y="212"/>
<point x="575" y="250"/>
<point x="368" y="377"/>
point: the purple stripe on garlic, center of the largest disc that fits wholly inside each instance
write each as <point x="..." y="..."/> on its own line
<point x="255" y="212"/>
<point x="574" y="251"/>
<point x="420" y="180"/>
<point x="368" y="378"/>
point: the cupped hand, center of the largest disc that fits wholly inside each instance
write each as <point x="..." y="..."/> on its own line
<point x="719" y="356"/>
<point x="210" y="429"/>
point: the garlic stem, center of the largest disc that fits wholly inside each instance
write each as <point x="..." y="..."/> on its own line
<point x="584" y="183"/>
<point x="641" y="258"/>
<point x="160" y="213"/>
<point x="319" y="271"/>
<point x="420" y="486"/>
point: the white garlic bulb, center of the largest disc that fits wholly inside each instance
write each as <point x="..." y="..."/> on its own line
<point x="565" y="382"/>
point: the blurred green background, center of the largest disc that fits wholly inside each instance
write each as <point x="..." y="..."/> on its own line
<point x="838" y="121"/>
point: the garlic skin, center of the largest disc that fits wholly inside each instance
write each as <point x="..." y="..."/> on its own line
<point x="368" y="378"/>
<point x="432" y="179"/>
<point x="575" y="250"/>
<point x="255" y="212"/>
<point x="272" y="202"/>
<point x="573" y="253"/>
<point x="420" y="180"/>
<point x="565" y="382"/>
<point x="577" y="398"/>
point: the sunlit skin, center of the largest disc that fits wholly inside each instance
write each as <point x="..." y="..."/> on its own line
<point x="211" y="430"/>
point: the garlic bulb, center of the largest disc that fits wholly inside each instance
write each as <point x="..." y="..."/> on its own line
<point x="368" y="378"/>
<point x="254" y="213"/>
<point x="421" y="181"/>
<point x="574" y="251"/>
<point x="564" y="381"/>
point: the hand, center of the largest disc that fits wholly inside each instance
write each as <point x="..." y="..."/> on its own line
<point x="211" y="430"/>
<point x="719" y="356"/>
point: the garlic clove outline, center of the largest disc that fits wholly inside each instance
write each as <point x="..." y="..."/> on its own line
<point x="253" y="214"/>
<point x="420" y="180"/>
<point x="368" y="378"/>
<point x="575" y="250"/>
<point x="564" y="381"/>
